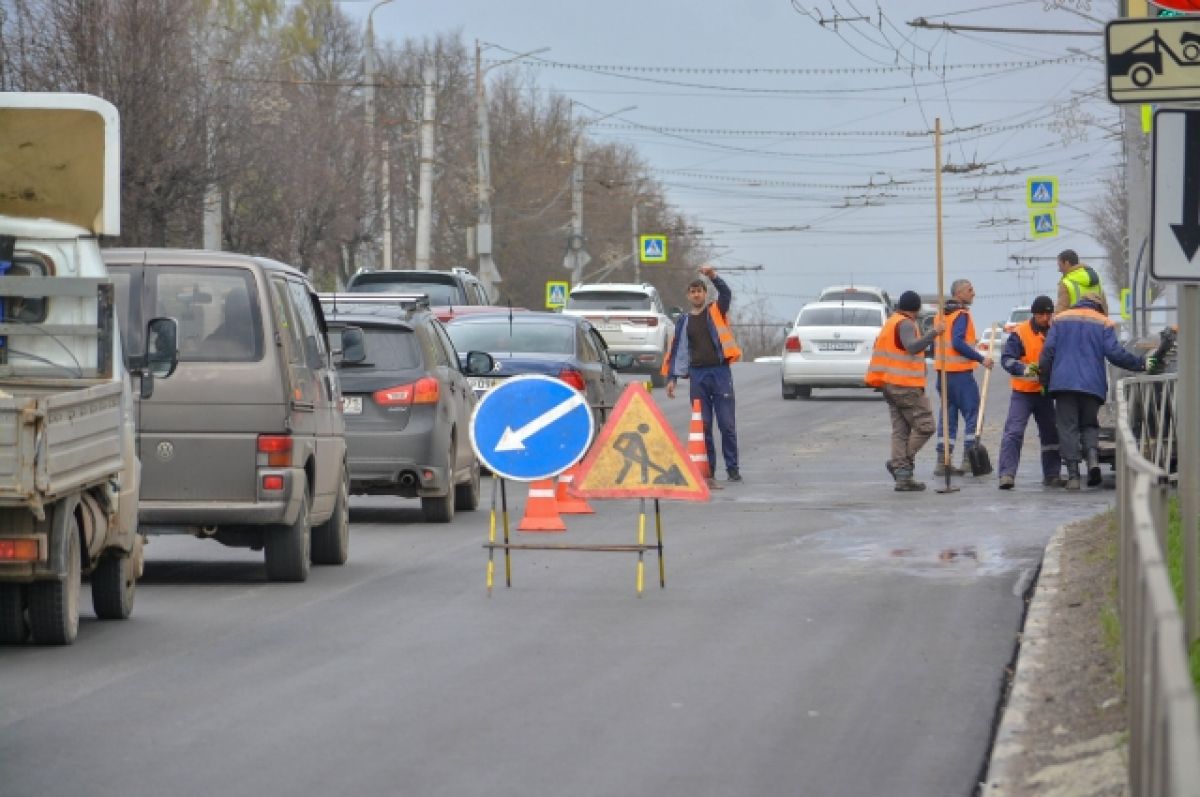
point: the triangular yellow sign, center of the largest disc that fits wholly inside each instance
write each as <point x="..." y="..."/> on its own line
<point x="636" y="455"/>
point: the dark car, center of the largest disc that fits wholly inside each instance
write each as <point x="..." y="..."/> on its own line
<point x="445" y="289"/>
<point x="564" y="346"/>
<point x="406" y="404"/>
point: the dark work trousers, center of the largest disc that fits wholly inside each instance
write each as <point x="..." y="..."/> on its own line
<point x="962" y="397"/>
<point x="714" y="387"/>
<point x="1020" y="407"/>
<point x="1078" y="424"/>
<point x="912" y="424"/>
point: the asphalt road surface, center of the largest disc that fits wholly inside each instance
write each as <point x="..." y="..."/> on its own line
<point x="819" y="634"/>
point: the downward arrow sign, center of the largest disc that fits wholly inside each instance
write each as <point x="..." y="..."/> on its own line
<point x="514" y="440"/>
<point x="1188" y="232"/>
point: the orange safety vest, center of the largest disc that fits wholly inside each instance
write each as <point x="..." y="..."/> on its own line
<point x="890" y="363"/>
<point x="729" y="347"/>
<point x="942" y="346"/>
<point x="1032" y="342"/>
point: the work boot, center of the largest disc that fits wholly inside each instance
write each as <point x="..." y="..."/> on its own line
<point x="940" y="469"/>
<point x="891" y="469"/>
<point x="905" y="483"/>
<point x="1072" y="476"/>
<point x="1093" y="462"/>
<point x="734" y="475"/>
<point x="1053" y="481"/>
<point x="1007" y="482"/>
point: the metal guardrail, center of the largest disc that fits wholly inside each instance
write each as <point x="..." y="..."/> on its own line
<point x="1164" y="727"/>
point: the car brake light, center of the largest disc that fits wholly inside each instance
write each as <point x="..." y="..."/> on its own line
<point x="648" y="321"/>
<point x="425" y="390"/>
<point x="572" y="377"/>
<point x="792" y="343"/>
<point x="19" y="550"/>
<point x="278" y="450"/>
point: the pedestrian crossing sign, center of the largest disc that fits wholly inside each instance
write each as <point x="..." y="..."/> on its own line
<point x="653" y="248"/>
<point x="1043" y="224"/>
<point x="636" y="455"/>
<point x="556" y="294"/>
<point x="1041" y="192"/>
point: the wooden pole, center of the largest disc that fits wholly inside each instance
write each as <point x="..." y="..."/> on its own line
<point x="941" y="279"/>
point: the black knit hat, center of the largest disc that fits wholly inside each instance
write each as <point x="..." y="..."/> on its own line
<point x="910" y="301"/>
<point x="1042" y="304"/>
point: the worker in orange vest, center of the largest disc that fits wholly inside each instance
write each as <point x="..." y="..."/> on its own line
<point x="897" y="369"/>
<point x="1020" y="359"/>
<point x="955" y="352"/>
<point x="701" y="351"/>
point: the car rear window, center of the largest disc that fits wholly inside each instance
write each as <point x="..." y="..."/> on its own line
<point x="527" y="338"/>
<point x="840" y="317"/>
<point x="387" y="349"/>
<point x="440" y="291"/>
<point x="850" y="296"/>
<point x="608" y="300"/>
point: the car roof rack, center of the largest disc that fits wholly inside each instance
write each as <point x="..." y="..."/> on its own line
<point x="408" y="301"/>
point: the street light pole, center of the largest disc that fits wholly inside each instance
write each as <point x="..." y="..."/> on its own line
<point x="577" y="257"/>
<point x="425" y="188"/>
<point x="373" y="173"/>
<point x="488" y="272"/>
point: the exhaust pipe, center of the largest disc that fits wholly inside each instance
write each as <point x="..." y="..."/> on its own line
<point x="408" y="479"/>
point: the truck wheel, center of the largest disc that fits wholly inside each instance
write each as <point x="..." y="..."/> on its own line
<point x="113" y="582"/>
<point x="54" y="605"/>
<point x="287" y="547"/>
<point x="440" y="508"/>
<point x="331" y="539"/>
<point x="466" y="496"/>
<point x="13" y="629"/>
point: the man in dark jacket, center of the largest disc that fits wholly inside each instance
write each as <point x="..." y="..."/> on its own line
<point x="1020" y="358"/>
<point x="701" y="351"/>
<point x="1072" y="370"/>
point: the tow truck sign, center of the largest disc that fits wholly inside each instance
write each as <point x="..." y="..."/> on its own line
<point x="1153" y="60"/>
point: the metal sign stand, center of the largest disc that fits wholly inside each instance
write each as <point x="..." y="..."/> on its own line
<point x="640" y="548"/>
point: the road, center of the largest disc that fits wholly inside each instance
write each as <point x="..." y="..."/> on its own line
<point x="819" y="634"/>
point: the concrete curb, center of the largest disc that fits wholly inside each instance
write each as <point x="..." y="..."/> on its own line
<point x="1009" y="744"/>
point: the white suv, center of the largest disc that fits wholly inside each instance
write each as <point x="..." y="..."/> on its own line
<point x="630" y="318"/>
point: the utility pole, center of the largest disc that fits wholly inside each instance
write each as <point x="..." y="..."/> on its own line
<point x="425" y="189"/>
<point x="213" y="205"/>
<point x="637" y="253"/>
<point x="577" y="256"/>
<point x="385" y="175"/>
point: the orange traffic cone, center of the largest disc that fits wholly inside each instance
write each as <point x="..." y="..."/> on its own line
<point x="541" y="510"/>
<point x="695" y="445"/>
<point x="570" y="504"/>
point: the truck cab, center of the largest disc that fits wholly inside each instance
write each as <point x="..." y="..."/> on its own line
<point x="69" y="474"/>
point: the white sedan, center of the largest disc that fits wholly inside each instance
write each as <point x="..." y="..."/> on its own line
<point x="830" y="345"/>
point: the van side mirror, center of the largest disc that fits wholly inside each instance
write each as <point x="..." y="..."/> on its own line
<point x="354" y="347"/>
<point x="479" y="363"/>
<point x="160" y="357"/>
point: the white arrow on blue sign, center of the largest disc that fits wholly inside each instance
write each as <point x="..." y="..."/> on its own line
<point x="531" y="427"/>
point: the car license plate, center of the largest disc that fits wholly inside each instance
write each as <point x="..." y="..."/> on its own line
<point x="608" y="327"/>
<point x="838" y="345"/>
<point x="352" y="405"/>
<point x="482" y="383"/>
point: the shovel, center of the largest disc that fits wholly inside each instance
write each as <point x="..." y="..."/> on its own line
<point x="981" y="463"/>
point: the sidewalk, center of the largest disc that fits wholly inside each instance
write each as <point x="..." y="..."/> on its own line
<point x="1063" y="731"/>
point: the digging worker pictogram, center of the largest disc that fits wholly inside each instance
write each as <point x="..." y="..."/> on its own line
<point x="632" y="446"/>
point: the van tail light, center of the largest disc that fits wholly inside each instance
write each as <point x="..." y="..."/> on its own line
<point x="21" y="549"/>
<point x="275" y="450"/>
<point x="425" y="390"/>
<point x="573" y="378"/>
<point x="792" y="343"/>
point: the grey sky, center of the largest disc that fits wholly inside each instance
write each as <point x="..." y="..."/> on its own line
<point x="789" y="192"/>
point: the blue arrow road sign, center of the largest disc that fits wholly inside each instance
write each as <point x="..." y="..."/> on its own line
<point x="531" y="427"/>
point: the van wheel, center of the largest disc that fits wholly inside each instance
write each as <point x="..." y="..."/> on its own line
<point x="657" y="380"/>
<point x="789" y="391"/>
<point x="13" y="629"/>
<point x="331" y="539"/>
<point x="113" y="582"/>
<point x="466" y="496"/>
<point x="287" y="547"/>
<point x="54" y="605"/>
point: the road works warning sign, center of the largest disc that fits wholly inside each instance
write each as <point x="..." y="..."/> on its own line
<point x="636" y="455"/>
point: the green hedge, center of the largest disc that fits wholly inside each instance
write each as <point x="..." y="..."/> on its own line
<point x="1175" y="567"/>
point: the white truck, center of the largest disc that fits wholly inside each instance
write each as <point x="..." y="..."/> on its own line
<point x="69" y="473"/>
